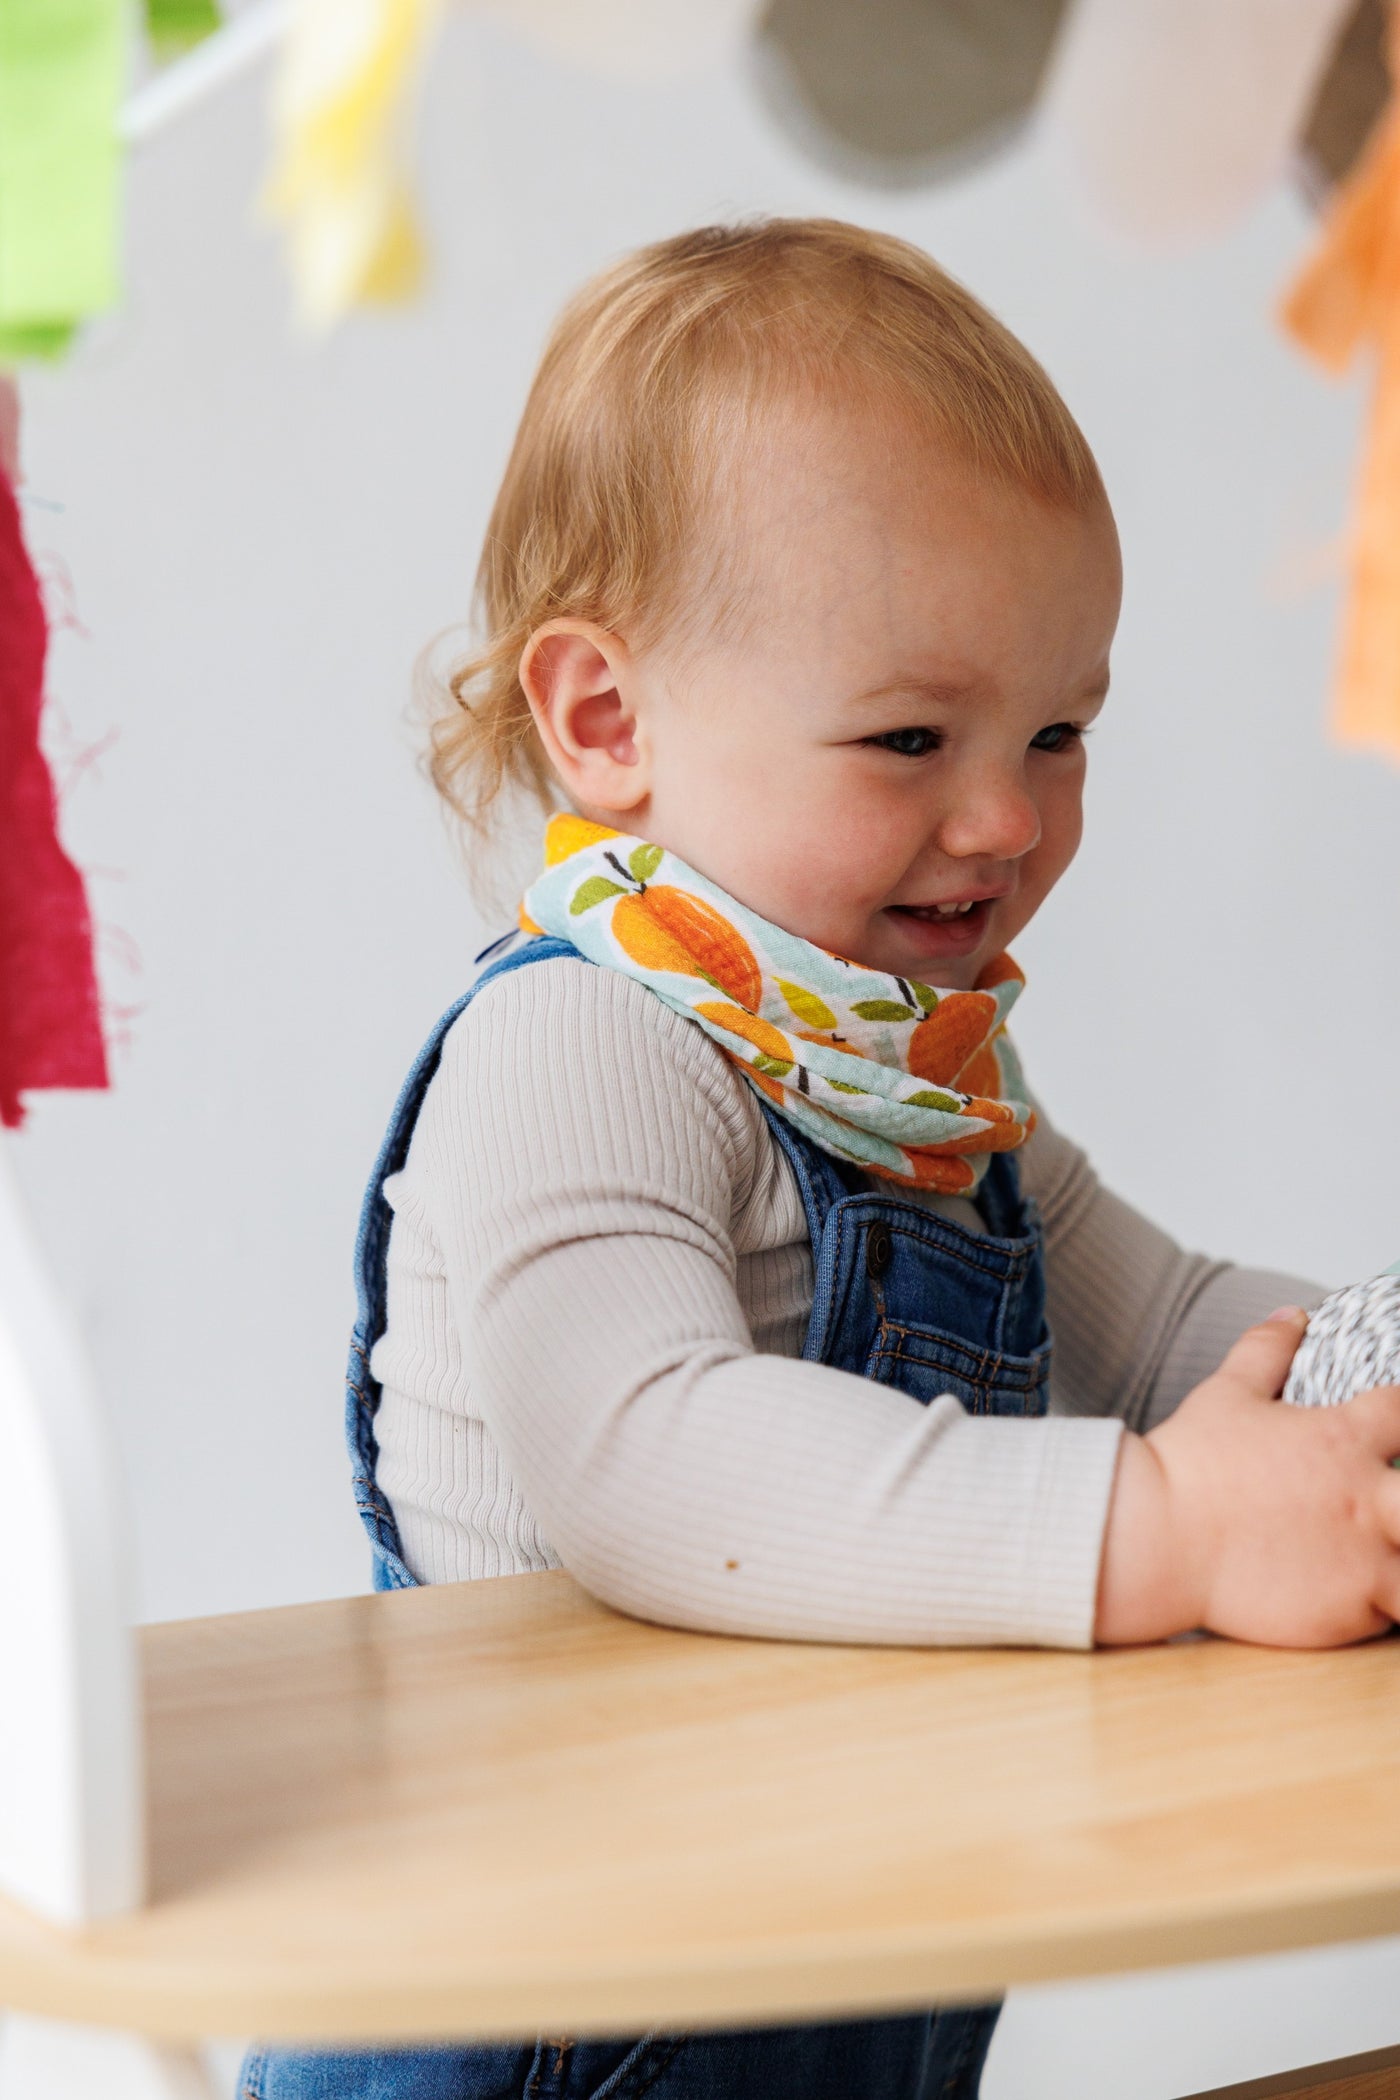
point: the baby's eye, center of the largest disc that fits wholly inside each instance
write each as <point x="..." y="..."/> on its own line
<point x="1058" y="737"/>
<point x="908" y="743"/>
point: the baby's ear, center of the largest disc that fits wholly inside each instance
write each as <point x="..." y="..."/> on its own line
<point x="576" y="677"/>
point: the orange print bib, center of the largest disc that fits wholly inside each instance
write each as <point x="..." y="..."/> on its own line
<point x="905" y="1081"/>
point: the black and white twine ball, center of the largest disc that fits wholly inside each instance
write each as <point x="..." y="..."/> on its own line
<point x="1352" y="1343"/>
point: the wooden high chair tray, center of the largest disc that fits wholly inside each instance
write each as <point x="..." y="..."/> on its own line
<point x="498" y="1809"/>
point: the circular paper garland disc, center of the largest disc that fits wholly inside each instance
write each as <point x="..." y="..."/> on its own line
<point x="1350" y="97"/>
<point x="899" y="92"/>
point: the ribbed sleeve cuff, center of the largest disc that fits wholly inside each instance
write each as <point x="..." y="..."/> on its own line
<point x="1066" y="1527"/>
<point x="1021" y="1513"/>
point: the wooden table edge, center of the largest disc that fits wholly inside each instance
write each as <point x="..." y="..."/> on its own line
<point x="93" y="1985"/>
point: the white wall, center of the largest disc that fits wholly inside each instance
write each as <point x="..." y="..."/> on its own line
<point x="261" y="534"/>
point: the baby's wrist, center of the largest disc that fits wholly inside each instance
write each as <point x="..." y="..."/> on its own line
<point x="1146" y="1586"/>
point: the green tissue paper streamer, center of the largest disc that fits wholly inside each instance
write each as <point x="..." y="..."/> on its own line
<point x="21" y="341"/>
<point x="173" y="25"/>
<point x="62" y="71"/>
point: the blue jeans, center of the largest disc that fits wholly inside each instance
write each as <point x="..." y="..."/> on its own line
<point x="930" y="2057"/>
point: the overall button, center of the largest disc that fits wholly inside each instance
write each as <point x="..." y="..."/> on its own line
<point x="879" y="1250"/>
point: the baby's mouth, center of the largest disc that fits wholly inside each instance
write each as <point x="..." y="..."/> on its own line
<point x="945" y="929"/>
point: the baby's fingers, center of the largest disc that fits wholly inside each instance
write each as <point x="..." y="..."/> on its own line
<point x="1377" y="1416"/>
<point x="1262" y="1355"/>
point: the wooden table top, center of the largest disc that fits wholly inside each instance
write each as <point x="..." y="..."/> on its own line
<point x="498" y="1808"/>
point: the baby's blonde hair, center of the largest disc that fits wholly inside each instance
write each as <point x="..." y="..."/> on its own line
<point x="650" y="375"/>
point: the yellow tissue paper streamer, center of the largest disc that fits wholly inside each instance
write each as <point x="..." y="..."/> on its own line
<point x="1347" y="294"/>
<point x="62" y="71"/>
<point x="341" y="115"/>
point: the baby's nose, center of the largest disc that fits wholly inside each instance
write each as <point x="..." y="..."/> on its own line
<point x="994" y="818"/>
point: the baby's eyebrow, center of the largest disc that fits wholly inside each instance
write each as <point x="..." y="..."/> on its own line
<point x="939" y="692"/>
<point x="954" y="690"/>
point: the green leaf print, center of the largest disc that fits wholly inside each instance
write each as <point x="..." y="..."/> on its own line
<point x="644" y="861"/>
<point x="843" y="1086"/>
<point x="884" y="1010"/>
<point x="925" y="994"/>
<point x="807" y="1006"/>
<point x="593" y="892"/>
<point x="930" y="1098"/>
<point x="772" y="1067"/>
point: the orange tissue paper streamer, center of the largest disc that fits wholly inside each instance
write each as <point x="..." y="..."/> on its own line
<point x="1348" y="294"/>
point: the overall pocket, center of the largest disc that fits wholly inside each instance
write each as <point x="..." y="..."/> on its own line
<point x="925" y="1362"/>
<point x="948" y="1311"/>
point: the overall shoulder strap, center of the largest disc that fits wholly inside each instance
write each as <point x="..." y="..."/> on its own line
<point x="371" y="1276"/>
<point x="1007" y="1211"/>
<point x="375" y="1215"/>
<point x="820" y="1181"/>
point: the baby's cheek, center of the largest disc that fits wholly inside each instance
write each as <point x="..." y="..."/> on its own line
<point x="1046" y="862"/>
<point x="1062" y="813"/>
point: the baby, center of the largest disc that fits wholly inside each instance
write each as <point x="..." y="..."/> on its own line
<point x="725" y="1243"/>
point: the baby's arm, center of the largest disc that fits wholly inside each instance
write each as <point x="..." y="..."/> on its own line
<point x="1137" y="1321"/>
<point x="588" y="1154"/>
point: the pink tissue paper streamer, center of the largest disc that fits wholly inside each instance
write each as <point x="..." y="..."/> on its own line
<point x="50" y="1030"/>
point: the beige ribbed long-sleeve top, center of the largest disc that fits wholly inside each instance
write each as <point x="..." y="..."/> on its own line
<point x="599" y="1282"/>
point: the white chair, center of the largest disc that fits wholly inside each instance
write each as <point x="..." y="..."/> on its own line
<point x="72" y="1791"/>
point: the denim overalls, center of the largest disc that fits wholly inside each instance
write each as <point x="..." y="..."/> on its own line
<point x="902" y="1296"/>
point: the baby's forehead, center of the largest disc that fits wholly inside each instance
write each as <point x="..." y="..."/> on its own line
<point x="790" y="472"/>
<point x="848" y="525"/>
<point x="842" y="475"/>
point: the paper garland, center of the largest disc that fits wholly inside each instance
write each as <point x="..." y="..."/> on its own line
<point x="1179" y="111"/>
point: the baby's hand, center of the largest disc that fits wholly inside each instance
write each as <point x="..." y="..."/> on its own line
<point x="1272" y="1524"/>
